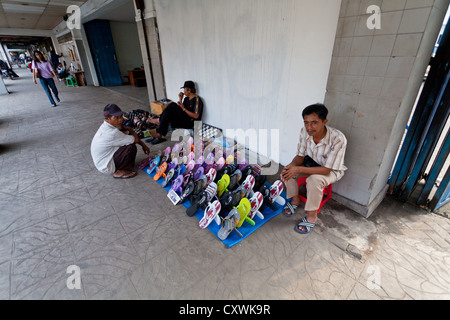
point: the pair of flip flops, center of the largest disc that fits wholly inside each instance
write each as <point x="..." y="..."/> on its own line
<point x="166" y="155"/>
<point x="187" y="191"/>
<point x="234" y="179"/>
<point x="153" y="165"/>
<point x="173" y="164"/>
<point x="127" y="175"/>
<point x="144" y="163"/>
<point x="173" y="173"/>
<point x="275" y="191"/>
<point x="265" y="191"/>
<point x="231" y="199"/>
<point x="211" y="175"/>
<point x="272" y="194"/>
<point x="248" y="184"/>
<point x="222" y="184"/>
<point x="211" y="213"/>
<point x="289" y="209"/>
<point x="220" y="163"/>
<point x="308" y="226"/>
<point x="235" y="219"/>
<point x="177" y="184"/>
<point x="226" y="169"/>
<point x="154" y="141"/>
<point x="244" y="209"/>
<point x="305" y="224"/>
<point x="161" y="171"/>
<point x="229" y="223"/>
<point x="168" y="177"/>
<point x="246" y="171"/>
<point x="256" y="202"/>
<point x="202" y="199"/>
<point x="175" y="151"/>
<point x="229" y="160"/>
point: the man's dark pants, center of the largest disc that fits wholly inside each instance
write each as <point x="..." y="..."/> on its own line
<point x="125" y="157"/>
<point x="175" y="116"/>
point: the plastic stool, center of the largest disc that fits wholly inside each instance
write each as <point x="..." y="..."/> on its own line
<point x="326" y="192"/>
<point x="71" y="82"/>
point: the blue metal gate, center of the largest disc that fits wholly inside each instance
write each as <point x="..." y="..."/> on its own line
<point x="103" y="52"/>
<point x="426" y="128"/>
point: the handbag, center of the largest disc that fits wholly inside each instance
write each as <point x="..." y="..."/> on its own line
<point x="308" y="162"/>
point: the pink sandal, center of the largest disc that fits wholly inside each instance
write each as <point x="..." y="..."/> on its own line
<point x="211" y="212"/>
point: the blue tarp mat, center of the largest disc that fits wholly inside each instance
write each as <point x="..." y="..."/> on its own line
<point x="246" y="229"/>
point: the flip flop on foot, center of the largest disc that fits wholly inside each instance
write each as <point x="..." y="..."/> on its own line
<point x="154" y="121"/>
<point x="289" y="209"/>
<point x="126" y="175"/>
<point x="158" y="139"/>
<point x="305" y="227"/>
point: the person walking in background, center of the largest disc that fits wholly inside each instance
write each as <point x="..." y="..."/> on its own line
<point x="43" y="70"/>
<point x="29" y="63"/>
<point x="54" y="58"/>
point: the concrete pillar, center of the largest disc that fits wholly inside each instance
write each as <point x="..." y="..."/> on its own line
<point x="3" y="89"/>
<point x="2" y="53"/>
<point x="374" y="80"/>
<point x="3" y="56"/>
<point x="6" y="54"/>
<point x="84" y="53"/>
<point x="151" y="55"/>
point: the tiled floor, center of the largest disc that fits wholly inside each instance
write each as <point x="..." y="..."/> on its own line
<point x="130" y="242"/>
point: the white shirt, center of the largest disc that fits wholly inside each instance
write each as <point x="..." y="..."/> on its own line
<point x="329" y="152"/>
<point x="105" y="143"/>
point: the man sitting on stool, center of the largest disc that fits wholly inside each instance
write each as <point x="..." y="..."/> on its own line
<point x="113" y="151"/>
<point x="320" y="158"/>
<point x="179" y="115"/>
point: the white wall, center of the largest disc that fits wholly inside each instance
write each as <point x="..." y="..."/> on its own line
<point x="374" y="80"/>
<point x="66" y="56"/>
<point x="257" y="63"/>
<point x="128" y="48"/>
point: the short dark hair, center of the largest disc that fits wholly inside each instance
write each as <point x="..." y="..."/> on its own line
<point x="318" y="109"/>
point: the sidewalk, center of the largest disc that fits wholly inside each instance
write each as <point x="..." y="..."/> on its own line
<point x="130" y="242"/>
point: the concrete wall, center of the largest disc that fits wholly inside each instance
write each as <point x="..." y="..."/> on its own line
<point x="374" y="80"/>
<point x="257" y="63"/>
<point x="128" y="49"/>
<point x="3" y="89"/>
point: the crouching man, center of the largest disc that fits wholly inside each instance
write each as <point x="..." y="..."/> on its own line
<point x="113" y="151"/>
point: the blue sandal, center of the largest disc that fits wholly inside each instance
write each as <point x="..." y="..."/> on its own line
<point x="158" y="141"/>
<point x="291" y="207"/>
<point x="307" y="225"/>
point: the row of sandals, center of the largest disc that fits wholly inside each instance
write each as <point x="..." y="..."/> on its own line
<point x="213" y="184"/>
<point x="139" y="121"/>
